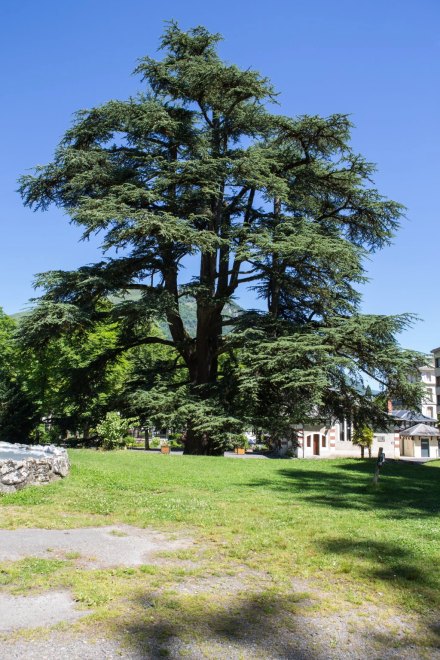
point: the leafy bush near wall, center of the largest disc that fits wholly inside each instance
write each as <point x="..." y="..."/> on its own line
<point x="113" y="431"/>
<point x="43" y="436"/>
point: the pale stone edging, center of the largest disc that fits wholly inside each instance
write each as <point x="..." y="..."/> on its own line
<point x="16" y="474"/>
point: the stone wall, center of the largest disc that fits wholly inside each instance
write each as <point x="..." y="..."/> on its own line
<point x="16" y="474"/>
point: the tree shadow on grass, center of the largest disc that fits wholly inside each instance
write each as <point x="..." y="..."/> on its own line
<point x="263" y="625"/>
<point x="255" y="625"/>
<point x="405" y="490"/>
<point x="405" y="558"/>
<point x="391" y="561"/>
<point x="406" y="570"/>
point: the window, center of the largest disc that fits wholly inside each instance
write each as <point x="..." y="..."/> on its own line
<point x="381" y="438"/>
<point x="437" y="362"/>
<point x="345" y="431"/>
<point x="309" y="441"/>
<point x="324" y="441"/>
<point x="437" y="381"/>
<point x="438" y="399"/>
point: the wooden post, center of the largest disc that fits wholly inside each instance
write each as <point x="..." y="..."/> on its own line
<point x="380" y="462"/>
<point x="147" y="438"/>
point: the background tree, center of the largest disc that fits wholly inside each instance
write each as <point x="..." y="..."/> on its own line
<point x="196" y="165"/>
<point x="18" y="410"/>
<point x="70" y="377"/>
<point x="363" y="436"/>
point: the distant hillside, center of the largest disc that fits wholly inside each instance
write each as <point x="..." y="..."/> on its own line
<point x="18" y="316"/>
<point x="188" y="312"/>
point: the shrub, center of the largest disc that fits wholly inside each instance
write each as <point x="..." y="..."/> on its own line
<point x="45" y="436"/>
<point x="175" y="440"/>
<point x="129" y="441"/>
<point x="240" y="441"/>
<point x="113" y="430"/>
<point x="363" y="436"/>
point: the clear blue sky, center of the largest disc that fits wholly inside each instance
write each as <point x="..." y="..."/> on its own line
<point x="377" y="60"/>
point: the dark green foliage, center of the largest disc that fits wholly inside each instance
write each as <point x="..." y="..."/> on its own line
<point x="197" y="165"/>
<point x="18" y="412"/>
<point x="75" y="378"/>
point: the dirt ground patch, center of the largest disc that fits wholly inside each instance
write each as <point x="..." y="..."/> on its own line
<point x="97" y="547"/>
<point x="304" y="637"/>
<point x="233" y="612"/>
<point x="18" y="612"/>
<point x="74" y="646"/>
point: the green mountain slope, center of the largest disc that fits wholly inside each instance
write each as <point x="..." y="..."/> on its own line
<point x="188" y="312"/>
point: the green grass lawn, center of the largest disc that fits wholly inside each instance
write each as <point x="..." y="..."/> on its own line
<point x="320" y="521"/>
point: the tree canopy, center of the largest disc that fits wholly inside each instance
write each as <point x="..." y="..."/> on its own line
<point x="196" y="165"/>
<point x="18" y="410"/>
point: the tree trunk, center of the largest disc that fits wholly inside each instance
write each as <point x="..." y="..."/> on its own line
<point x="196" y="443"/>
<point x="203" y="373"/>
<point x="209" y="329"/>
<point x="362" y="451"/>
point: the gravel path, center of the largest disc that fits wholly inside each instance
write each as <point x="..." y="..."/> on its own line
<point x="231" y="623"/>
<point x="98" y="547"/>
<point x="18" y="612"/>
<point x="315" y="639"/>
<point x="66" y="646"/>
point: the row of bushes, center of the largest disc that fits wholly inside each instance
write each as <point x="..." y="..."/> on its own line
<point x="113" y="433"/>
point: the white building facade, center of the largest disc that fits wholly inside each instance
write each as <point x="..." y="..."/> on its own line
<point x="436" y="354"/>
<point x="420" y="441"/>
<point x="335" y="441"/>
<point x="428" y="378"/>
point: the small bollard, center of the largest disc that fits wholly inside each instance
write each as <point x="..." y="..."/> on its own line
<point x="379" y="463"/>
